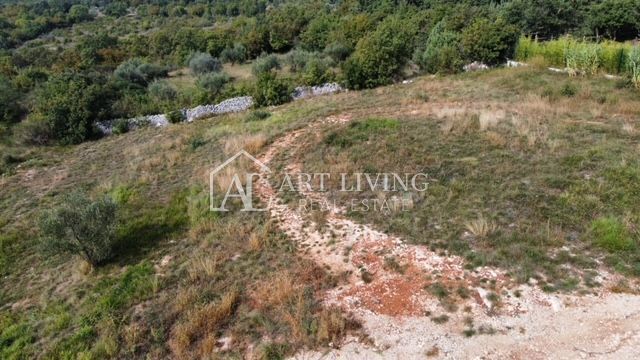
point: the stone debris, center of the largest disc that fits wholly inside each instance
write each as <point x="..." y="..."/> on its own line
<point x="514" y="64"/>
<point x="159" y="120"/>
<point x="558" y="70"/>
<point x="227" y="106"/>
<point x="302" y="92"/>
<point x="475" y="66"/>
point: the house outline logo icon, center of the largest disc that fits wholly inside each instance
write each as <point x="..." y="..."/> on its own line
<point x="245" y="193"/>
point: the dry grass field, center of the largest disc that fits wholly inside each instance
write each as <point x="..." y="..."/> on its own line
<point x="531" y="172"/>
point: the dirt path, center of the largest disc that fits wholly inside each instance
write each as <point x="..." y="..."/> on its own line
<point x="387" y="278"/>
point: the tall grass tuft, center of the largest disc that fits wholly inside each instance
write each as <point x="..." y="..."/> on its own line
<point x="582" y="58"/>
<point x="579" y="57"/>
<point x="633" y="66"/>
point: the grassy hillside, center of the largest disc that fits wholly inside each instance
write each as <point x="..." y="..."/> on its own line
<point x="532" y="171"/>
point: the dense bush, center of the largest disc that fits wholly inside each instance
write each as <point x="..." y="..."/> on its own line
<point x="615" y="19"/>
<point x="316" y="35"/>
<point x="285" y="24"/>
<point x="235" y="55"/>
<point x="337" y="51"/>
<point x="369" y="40"/>
<point x="120" y="126"/>
<point x="270" y="90"/>
<point x="316" y="72"/>
<point x="297" y="59"/>
<point x="380" y="56"/>
<point x="162" y="90"/>
<point x="489" y="42"/>
<point x="175" y="116"/>
<point x="79" y="12"/>
<point x="81" y="226"/>
<point x="265" y="64"/>
<point x="544" y="18"/>
<point x="116" y="9"/>
<point x="202" y="63"/>
<point x="69" y="105"/>
<point x="442" y="51"/>
<point x="211" y="85"/>
<point x="138" y="72"/>
<point x="27" y="79"/>
<point x="10" y="109"/>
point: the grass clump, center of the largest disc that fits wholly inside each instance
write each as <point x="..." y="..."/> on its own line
<point x="568" y="90"/>
<point x="611" y="235"/>
<point x="16" y="338"/>
<point x="359" y="131"/>
<point x="441" y="319"/>
<point x="258" y="115"/>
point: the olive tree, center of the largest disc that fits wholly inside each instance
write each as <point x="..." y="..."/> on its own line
<point x="202" y="63"/>
<point x="81" y="226"/>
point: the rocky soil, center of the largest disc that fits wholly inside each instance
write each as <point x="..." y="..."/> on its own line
<point x="397" y="314"/>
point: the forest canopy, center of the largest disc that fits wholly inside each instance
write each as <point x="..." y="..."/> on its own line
<point x="120" y="48"/>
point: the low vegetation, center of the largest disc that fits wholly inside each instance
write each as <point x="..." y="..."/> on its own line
<point x="515" y="180"/>
<point x="107" y="245"/>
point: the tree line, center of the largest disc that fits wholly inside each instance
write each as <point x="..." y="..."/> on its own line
<point x="66" y="64"/>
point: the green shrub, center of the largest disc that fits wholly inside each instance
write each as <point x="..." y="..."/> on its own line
<point x="265" y="64"/>
<point x="298" y="59"/>
<point x="138" y="72"/>
<point x="611" y="235"/>
<point x="211" y="85"/>
<point x="568" y="90"/>
<point x="489" y="42"/>
<point x="270" y="90"/>
<point x="67" y="107"/>
<point x="337" y="51"/>
<point x="81" y="226"/>
<point x="442" y="51"/>
<point x="235" y="55"/>
<point x="615" y="19"/>
<point x="78" y="13"/>
<point x="10" y="110"/>
<point x="316" y="34"/>
<point x="162" y="90"/>
<point x="175" y="116"/>
<point x="316" y="72"/>
<point x="202" y="63"/>
<point x="380" y="56"/>
<point x="120" y="126"/>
